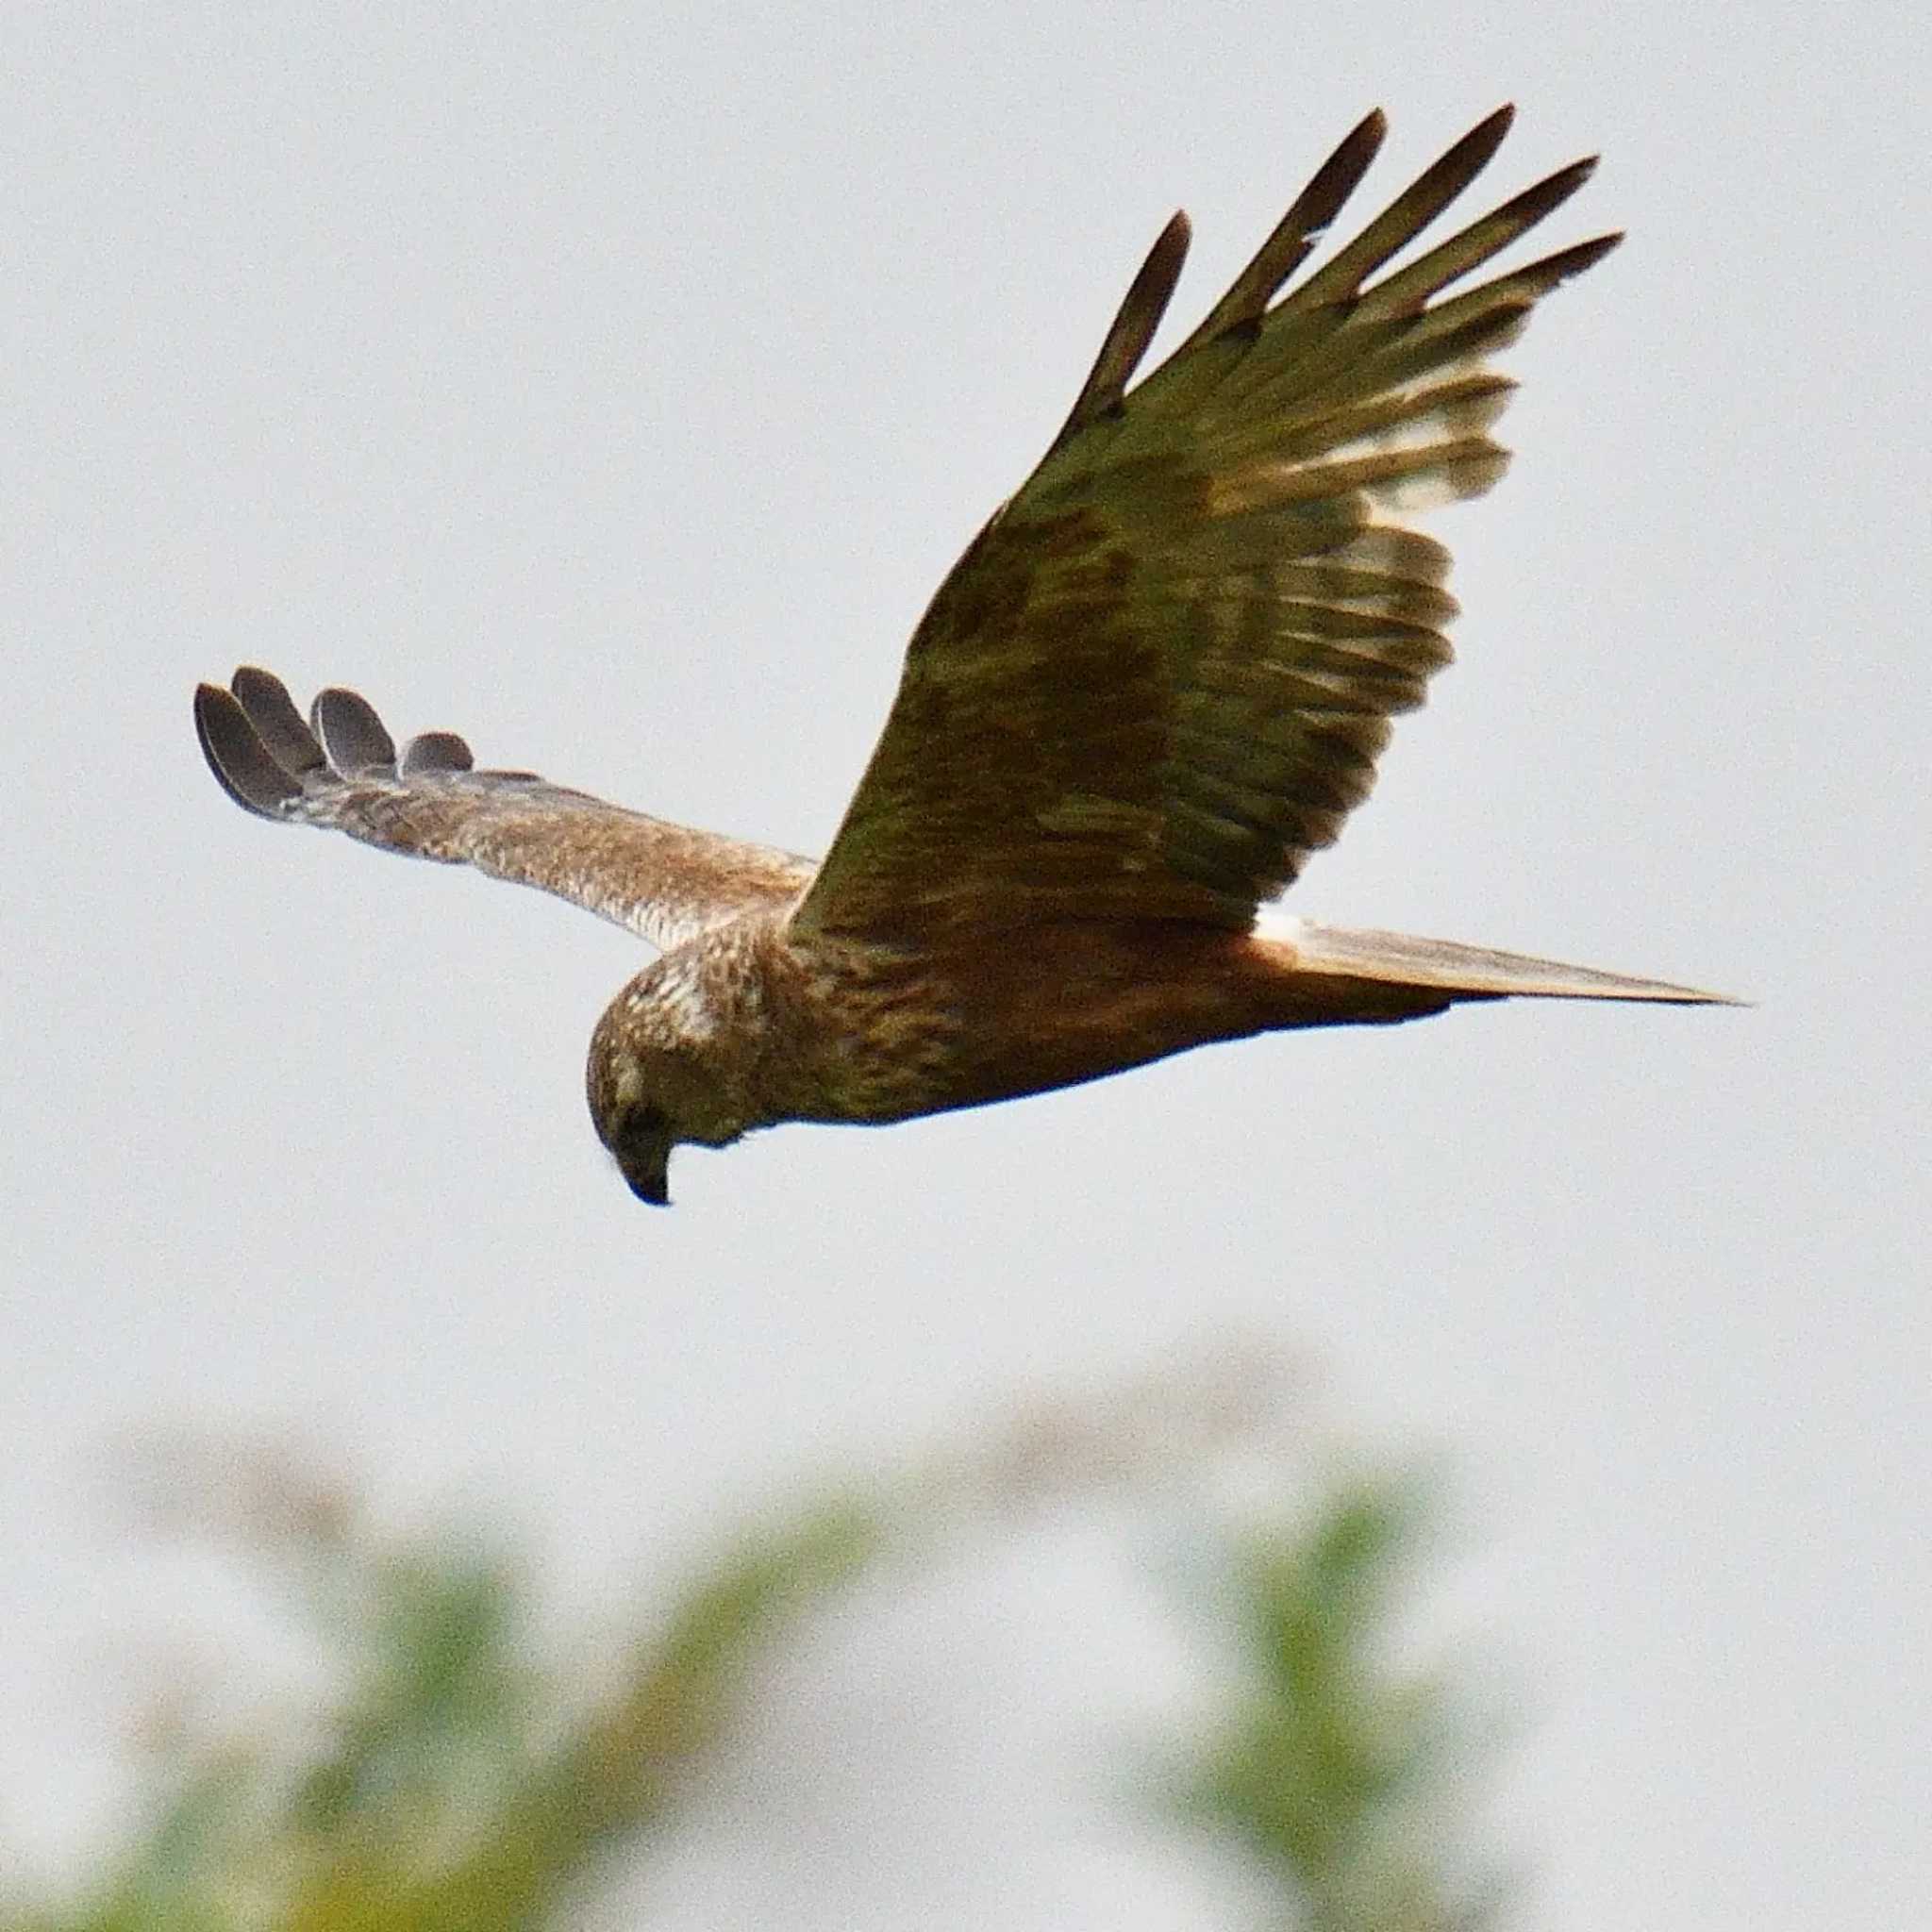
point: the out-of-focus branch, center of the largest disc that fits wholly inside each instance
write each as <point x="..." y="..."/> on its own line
<point x="1339" y="1770"/>
<point x="455" y="1778"/>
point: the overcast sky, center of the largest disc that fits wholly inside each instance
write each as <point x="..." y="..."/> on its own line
<point x="616" y="392"/>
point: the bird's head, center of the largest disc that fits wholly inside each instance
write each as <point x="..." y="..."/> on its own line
<point x="662" y="1074"/>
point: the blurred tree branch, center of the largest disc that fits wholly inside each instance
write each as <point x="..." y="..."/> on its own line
<point x="455" y="1781"/>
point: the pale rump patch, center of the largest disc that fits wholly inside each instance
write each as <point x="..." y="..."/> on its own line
<point x="1272" y="923"/>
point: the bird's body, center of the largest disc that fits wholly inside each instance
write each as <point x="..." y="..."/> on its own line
<point x="1156" y="681"/>
<point x="857" y="1032"/>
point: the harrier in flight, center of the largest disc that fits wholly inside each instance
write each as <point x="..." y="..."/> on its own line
<point x="1156" y="681"/>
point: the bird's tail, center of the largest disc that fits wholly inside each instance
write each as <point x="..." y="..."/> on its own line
<point x="1395" y="958"/>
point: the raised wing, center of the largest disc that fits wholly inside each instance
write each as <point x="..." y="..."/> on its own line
<point x="1162" y="675"/>
<point x="340" y="769"/>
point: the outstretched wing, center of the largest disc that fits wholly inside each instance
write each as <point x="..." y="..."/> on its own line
<point x="1162" y="675"/>
<point x="339" y="768"/>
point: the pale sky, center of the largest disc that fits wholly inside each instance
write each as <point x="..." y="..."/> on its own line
<point x="615" y="391"/>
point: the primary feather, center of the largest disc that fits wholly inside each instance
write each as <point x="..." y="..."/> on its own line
<point x="1163" y="672"/>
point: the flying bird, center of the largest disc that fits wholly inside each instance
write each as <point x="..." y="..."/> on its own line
<point x="1157" y="680"/>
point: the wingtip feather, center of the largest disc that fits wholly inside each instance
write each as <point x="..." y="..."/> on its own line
<point x="279" y="725"/>
<point x="351" y="732"/>
<point x="1132" y="329"/>
<point x="244" y="766"/>
<point x="435" y="751"/>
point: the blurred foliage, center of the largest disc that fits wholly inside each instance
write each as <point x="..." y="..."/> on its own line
<point x="453" y="1784"/>
<point x="453" y="1780"/>
<point x="1341" y="1771"/>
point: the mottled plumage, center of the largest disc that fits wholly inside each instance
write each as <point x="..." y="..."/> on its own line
<point x="1156" y="681"/>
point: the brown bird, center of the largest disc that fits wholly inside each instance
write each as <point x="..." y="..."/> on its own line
<point x="1156" y="681"/>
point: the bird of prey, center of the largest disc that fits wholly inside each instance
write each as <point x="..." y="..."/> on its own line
<point x="1156" y="681"/>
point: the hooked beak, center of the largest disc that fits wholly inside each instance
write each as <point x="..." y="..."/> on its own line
<point x="652" y="1181"/>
